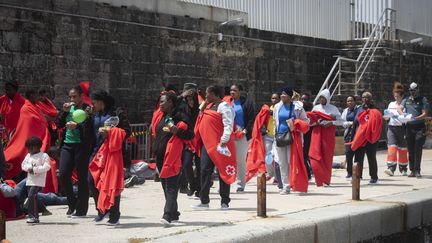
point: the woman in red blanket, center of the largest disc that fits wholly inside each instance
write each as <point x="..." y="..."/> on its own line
<point x="171" y="131"/>
<point x="213" y="131"/>
<point x="324" y="117"/>
<point x="285" y="113"/>
<point x="106" y="178"/>
<point x="367" y="129"/>
<point x="10" y="106"/>
<point x="31" y="123"/>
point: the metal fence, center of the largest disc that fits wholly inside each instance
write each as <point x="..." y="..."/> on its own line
<point x="139" y="143"/>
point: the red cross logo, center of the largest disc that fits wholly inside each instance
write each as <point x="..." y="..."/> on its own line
<point x="230" y="170"/>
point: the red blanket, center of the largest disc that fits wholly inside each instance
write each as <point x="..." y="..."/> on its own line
<point x="298" y="174"/>
<point x="48" y="109"/>
<point x="31" y="123"/>
<point x="209" y="131"/>
<point x="106" y="169"/>
<point x="173" y="153"/>
<point x="322" y="148"/>
<point x="11" y="112"/>
<point x="156" y="118"/>
<point x="85" y="86"/>
<point x="369" y="130"/>
<point x="256" y="153"/>
<point x="51" y="182"/>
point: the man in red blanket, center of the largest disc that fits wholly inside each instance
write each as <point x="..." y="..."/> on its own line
<point x="214" y="129"/>
<point x="10" y="106"/>
<point x="324" y="117"/>
<point x="31" y="123"/>
<point x="367" y="131"/>
<point x="106" y="169"/>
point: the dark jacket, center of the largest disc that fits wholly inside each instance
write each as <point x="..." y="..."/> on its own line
<point x="162" y="138"/>
<point x="249" y="115"/>
<point x="85" y="128"/>
<point x="123" y="124"/>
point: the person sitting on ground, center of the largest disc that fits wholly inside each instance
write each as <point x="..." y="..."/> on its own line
<point x="36" y="164"/>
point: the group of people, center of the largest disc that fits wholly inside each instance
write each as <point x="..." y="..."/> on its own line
<point x="90" y="151"/>
<point x="197" y="136"/>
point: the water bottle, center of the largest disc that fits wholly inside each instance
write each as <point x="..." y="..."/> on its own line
<point x="112" y="121"/>
<point x="223" y="150"/>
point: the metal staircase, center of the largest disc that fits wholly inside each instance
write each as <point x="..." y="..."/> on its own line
<point x="347" y="72"/>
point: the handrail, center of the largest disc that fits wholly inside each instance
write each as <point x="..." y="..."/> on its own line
<point x="366" y="55"/>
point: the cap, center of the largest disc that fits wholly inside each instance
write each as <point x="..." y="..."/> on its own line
<point x="413" y="86"/>
<point x="188" y="86"/>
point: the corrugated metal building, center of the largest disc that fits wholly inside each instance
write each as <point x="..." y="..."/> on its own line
<point x="328" y="19"/>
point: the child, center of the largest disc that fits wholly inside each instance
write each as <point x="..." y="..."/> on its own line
<point x="36" y="164"/>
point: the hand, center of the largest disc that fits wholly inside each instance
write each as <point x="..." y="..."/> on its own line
<point x="67" y="106"/>
<point x="89" y="110"/>
<point x="71" y="125"/>
<point x="223" y="145"/>
<point x="291" y="124"/>
<point x="103" y="131"/>
<point x="186" y="93"/>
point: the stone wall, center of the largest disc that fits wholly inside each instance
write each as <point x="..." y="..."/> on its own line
<point x="133" y="55"/>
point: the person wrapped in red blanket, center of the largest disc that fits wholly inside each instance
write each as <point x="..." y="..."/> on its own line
<point x="106" y="168"/>
<point x="367" y="131"/>
<point x="10" y="106"/>
<point x="298" y="171"/>
<point x="172" y="132"/>
<point x="324" y="117"/>
<point x="214" y="130"/>
<point x="31" y="123"/>
<point x="256" y="152"/>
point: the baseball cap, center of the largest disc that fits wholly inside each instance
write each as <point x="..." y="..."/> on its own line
<point x="413" y="86"/>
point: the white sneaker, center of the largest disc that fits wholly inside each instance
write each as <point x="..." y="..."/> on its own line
<point x="284" y="192"/>
<point x="201" y="206"/>
<point x="389" y="172"/>
<point x="404" y="173"/>
<point x="165" y="222"/>
<point x="224" y="206"/>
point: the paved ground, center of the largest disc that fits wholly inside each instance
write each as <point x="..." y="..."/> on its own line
<point x="142" y="208"/>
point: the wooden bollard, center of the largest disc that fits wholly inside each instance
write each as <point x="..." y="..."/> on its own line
<point x="355" y="182"/>
<point x="2" y="225"/>
<point x="261" y="196"/>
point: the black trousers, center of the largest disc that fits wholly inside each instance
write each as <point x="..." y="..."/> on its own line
<point x="170" y="187"/>
<point x="207" y="167"/>
<point x="75" y="155"/>
<point x="415" y="138"/>
<point x="349" y="156"/>
<point x="32" y="201"/>
<point x="306" y="145"/>
<point x="370" y="150"/>
<point x="114" y="210"/>
<point x="192" y="179"/>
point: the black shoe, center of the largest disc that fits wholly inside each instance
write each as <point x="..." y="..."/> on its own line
<point x="70" y="211"/>
<point x="418" y="175"/>
<point x="131" y="181"/>
<point x="412" y="174"/>
<point x="113" y="222"/>
<point x="99" y="218"/>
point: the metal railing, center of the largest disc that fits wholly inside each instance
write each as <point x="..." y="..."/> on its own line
<point x="139" y="143"/>
<point x="383" y="29"/>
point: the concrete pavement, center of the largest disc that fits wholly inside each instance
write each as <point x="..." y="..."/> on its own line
<point x="325" y="214"/>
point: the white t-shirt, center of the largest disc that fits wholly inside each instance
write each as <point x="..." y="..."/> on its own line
<point x="40" y="163"/>
<point x="392" y="108"/>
